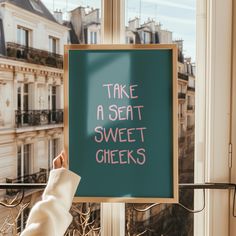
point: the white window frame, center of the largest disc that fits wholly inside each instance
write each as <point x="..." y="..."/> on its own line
<point x="212" y="137"/>
<point x="52" y="155"/>
<point x="22" y="161"/>
<point x="93" y="36"/>
<point x="213" y="99"/>
<point x="19" y="41"/>
<point x="51" y="41"/>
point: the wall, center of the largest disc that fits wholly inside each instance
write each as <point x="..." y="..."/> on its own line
<point x="41" y="27"/>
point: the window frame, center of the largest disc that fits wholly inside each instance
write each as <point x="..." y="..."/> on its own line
<point x="21" y="159"/>
<point x="20" y="29"/>
<point x="54" y="42"/>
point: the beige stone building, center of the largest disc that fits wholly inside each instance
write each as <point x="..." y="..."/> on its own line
<point x="31" y="94"/>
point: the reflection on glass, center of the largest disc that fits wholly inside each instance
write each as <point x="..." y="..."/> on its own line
<point x="164" y="22"/>
<point x="84" y="21"/>
<point x="98" y="66"/>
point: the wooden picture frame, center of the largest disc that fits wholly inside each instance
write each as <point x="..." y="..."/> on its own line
<point x="170" y="49"/>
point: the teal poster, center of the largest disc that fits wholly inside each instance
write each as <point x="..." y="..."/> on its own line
<point x="121" y="122"/>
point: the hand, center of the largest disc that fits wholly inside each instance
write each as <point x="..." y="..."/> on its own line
<point x="60" y="161"/>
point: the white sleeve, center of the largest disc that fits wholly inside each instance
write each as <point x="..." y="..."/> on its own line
<point x="50" y="216"/>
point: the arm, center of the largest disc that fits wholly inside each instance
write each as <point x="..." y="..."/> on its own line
<point x="50" y="216"/>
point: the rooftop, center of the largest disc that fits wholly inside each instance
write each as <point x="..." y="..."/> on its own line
<point x="33" y="6"/>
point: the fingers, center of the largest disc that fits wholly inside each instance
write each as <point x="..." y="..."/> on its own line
<point x="60" y="161"/>
<point x="64" y="159"/>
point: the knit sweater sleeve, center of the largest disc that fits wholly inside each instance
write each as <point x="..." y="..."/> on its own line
<point x="50" y="216"/>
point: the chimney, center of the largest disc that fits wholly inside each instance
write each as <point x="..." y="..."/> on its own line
<point x="58" y="16"/>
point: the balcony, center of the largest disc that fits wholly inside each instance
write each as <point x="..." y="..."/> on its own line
<point x="190" y="128"/>
<point x="38" y="117"/>
<point x="181" y="139"/>
<point x="182" y="76"/>
<point x="181" y="95"/>
<point x="191" y="89"/>
<point x="33" y="55"/>
<point x="39" y="177"/>
<point x="190" y="108"/>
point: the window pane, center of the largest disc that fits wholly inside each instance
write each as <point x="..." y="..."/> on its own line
<point x="27" y="159"/>
<point x="22" y="36"/>
<point x="84" y="20"/>
<point x="19" y="173"/>
<point x="172" y="21"/>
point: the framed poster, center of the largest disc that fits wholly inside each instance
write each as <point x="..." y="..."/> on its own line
<point x="121" y="122"/>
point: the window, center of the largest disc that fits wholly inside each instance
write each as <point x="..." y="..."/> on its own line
<point x="23" y="102"/>
<point x="52" y="102"/>
<point x="53" y="44"/>
<point x="52" y="97"/>
<point x="93" y="37"/>
<point x="24" y="160"/>
<point x="23" y="97"/>
<point x="165" y="22"/>
<point x="53" y="151"/>
<point x="36" y="5"/>
<point x="23" y="36"/>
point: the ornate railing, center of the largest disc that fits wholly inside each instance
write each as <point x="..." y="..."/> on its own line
<point x="33" y="55"/>
<point x="190" y="107"/>
<point x="38" y="117"/>
<point x="191" y="89"/>
<point x="190" y="128"/>
<point x="182" y="76"/>
<point x="86" y="216"/>
<point x="181" y="139"/>
<point x="39" y="177"/>
<point x="181" y="95"/>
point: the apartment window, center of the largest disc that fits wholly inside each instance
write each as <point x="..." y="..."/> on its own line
<point x="35" y="4"/>
<point x="53" y="151"/>
<point x="52" y="97"/>
<point x="52" y="102"/>
<point x="23" y="103"/>
<point x="146" y="37"/>
<point x="24" y="161"/>
<point x="53" y="44"/>
<point x="23" y="96"/>
<point x="163" y="22"/>
<point x="93" y="37"/>
<point x="23" y="36"/>
<point x="129" y="40"/>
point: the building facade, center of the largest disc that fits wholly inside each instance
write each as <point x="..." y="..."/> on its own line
<point x="31" y="89"/>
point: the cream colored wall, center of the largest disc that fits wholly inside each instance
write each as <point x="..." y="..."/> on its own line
<point x="7" y="157"/>
<point x="41" y="27"/>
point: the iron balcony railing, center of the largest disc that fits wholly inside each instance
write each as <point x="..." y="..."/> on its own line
<point x="182" y="76"/>
<point x="38" y="117"/>
<point x="190" y="128"/>
<point x="191" y="89"/>
<point x="181" y="139"/>
<point x="190" y="107"/>
<point x="33" y="55"/>
<point x="35" y="178"/>
<point x="181" y="95"/>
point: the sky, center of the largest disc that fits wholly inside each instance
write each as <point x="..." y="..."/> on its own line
<point x="178" y="16"/>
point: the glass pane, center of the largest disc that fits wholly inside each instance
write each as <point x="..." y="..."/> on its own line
<point x="84" y="20"/>
<point x="172" y="21"/>
<point x="27" y="157"/>
<point x="19" y="161"/>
